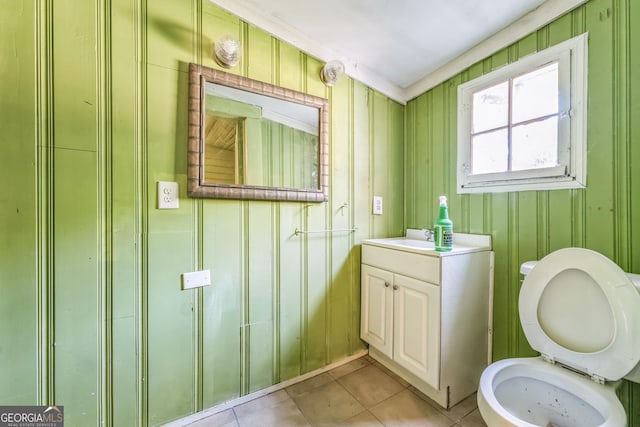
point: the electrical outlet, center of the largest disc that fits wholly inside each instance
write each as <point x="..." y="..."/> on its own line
<point x="167" y="195"/>
<point x="196" y="279"/>
<point x="377" y="205"/>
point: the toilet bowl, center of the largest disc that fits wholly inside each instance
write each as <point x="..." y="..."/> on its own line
<point x="530" y="392"/>
<point x="581" y="312"/>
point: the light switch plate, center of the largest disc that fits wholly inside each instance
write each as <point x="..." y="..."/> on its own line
<point x="377" y="205"/>
<point x="168" y="195"/>
<point x="195" y="279"/>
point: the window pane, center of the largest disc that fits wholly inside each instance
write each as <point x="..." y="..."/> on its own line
<point x="490" y="108"/>
<point x="535" y="94"/>
<point x="489" y="152"/>
<point x="535" y="145"/>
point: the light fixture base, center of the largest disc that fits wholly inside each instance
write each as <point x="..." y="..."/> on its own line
<point x="226" y="51"/>
<point x="332" y="72"/>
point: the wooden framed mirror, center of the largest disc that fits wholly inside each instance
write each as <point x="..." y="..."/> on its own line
<point x="253" y="140"/>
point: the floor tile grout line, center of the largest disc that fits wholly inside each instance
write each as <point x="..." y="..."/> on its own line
<point x="301" y="412"/>
<point x="342" y="386"/>
<point x="451" y="422"/>
<point x="348" y="373"/>
<point x="235" y="416"/>
<point x="368" y="409"/>
<point x="415" y="392"/>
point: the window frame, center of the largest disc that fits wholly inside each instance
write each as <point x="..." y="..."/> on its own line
<point x="572" y="59"/>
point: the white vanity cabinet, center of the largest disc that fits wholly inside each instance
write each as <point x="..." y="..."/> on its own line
<point x="425" y="314"/>
<point x="403" y="314"/>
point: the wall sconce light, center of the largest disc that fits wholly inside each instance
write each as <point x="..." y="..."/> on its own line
<point x="226" y="51"/>
<point x="332" y="72"/>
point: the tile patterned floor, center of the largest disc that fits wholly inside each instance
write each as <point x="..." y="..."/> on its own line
<point x="361" y="393"/>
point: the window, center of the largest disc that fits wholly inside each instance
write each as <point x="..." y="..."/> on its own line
<point x="523" y="126"/>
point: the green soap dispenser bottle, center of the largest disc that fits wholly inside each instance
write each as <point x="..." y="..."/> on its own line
<point x="443" y="228"/>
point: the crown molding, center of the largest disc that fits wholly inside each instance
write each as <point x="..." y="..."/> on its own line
<point x="286" y="33"/>
<point x="534" y="20"/>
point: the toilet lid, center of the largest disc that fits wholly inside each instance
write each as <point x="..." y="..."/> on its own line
<point x="579" y="308"/>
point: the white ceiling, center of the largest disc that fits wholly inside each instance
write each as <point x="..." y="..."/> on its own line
<point x="399" y="47"/>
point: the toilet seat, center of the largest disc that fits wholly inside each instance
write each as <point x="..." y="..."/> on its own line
<point x="579" y="308"/>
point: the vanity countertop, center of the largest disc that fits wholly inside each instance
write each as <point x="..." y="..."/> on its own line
<point x="415" y="241"/>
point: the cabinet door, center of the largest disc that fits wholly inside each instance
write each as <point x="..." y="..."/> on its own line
<point x="376" y="325"/>
<point x="417" y="328"/>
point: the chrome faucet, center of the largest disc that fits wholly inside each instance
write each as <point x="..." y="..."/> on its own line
<point x="429" y="235"/>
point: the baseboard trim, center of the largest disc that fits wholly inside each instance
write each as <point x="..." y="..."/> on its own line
<point x="251" y="396"/>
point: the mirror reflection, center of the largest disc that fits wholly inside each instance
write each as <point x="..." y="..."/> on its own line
<point x="258" y="140"/>
<point x="253" y="140"/>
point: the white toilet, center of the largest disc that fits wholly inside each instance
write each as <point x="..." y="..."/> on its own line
<point x="582" y="313"/>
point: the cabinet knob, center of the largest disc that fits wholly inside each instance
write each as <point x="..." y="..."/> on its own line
<point x="395" y="287"/>
<point x="386" y="284"/>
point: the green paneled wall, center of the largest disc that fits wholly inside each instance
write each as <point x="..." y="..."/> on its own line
<point x="92" y="317"/>
<point x="94" y="114"/>
<point x="21" y="224"/>
<point x="528" y="225"/>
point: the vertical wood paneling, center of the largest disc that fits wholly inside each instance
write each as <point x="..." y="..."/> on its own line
<point x="410" y="162"/>
<point x="378" y="116"/>
<point x="599" y="198"/>
<point x="634" y="133"/>
<point x="315" y="281"/>
<point x="360" y="200"/>
<point x="275" y="294"/>
<point x="340" y="181"/>
<point x="78" y="220"/>
<point x="22" y="286"/>
<point x="105" y="212"/>
<point x="170" y="252"/>
<point x="386" y="145"/>
<point x="438" y="147"/>
<point x="316" y="278"/>
<point x="458" y="205"/>
<point x="258" y="55"/>
<point x="529" y="225"/>
<point x="76" y="289"/>
<point x="142" y="208"/>
<point x="355" y="344"/>
<point x="198" y="243"/>
<point x="525" y="248"/>
<point x="290" y="248"/>
<point x="542" y="223"/>
<point x="422" y="182"/>
<point x="223" y="253"/>
<point x="362" y="190"/>
<point x="503" y="317"/>
<point x="260" y="327"/>
<point x="169" y="33"/>
<point x="221" y="361"/>
<point x="560" y="208"/>
<point x="627" y="192"/>
<point x="170" y="352"/>
<point x="132" y="348"/>
<point x="291" y="291"/>
<point x="395" y="165"/>
<point x="44" y="196"/>
<point x="125" y="214"/>
<point x="621" y="133"/>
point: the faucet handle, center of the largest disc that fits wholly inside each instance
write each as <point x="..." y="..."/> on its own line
<point x="429" y="235"/>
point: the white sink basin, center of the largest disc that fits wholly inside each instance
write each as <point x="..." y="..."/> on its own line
<point x="411" y="243"/>
<point x="414" y="242"/>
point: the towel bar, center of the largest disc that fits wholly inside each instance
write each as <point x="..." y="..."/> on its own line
<point x="298" y="232"/>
